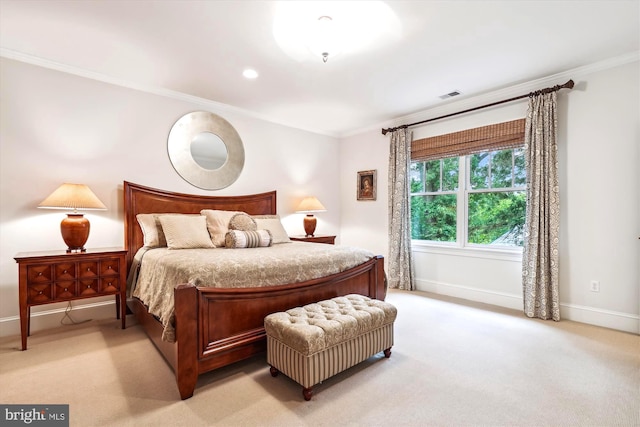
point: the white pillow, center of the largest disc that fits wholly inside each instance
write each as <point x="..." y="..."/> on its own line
<point x="153" y="236"/>
<point x="273" y="224"/>
<point x="218" y="224"/>
<point x="151" y="230"/>
<point x="186" y="231"/>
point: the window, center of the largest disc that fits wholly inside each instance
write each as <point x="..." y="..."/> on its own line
<point x="475" y="199"/>
<point x="434" y="200"/>
<point x="496" y="199"/>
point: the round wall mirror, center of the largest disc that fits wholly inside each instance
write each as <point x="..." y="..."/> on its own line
<point x="206" y="150"/>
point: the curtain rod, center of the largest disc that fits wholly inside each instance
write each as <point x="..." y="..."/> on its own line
<point x="567" y="85"/>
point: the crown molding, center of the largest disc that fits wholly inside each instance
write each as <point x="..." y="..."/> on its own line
<point x="463" y="104"/>
<point x="154" y="90"/>
<point x="504" y="93"/>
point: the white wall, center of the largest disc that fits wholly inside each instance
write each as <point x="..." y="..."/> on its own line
<point x="364" y="223"/>
<point x="59" y="127"/>
<point x="600" y="198"/>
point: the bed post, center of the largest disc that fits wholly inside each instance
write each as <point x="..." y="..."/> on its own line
<point x="186" y="310"/>
<point x="379" y="279"/>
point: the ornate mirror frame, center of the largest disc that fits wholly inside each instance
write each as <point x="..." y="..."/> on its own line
<point x="179" y="142"/>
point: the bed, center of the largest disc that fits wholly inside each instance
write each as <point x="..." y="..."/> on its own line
<point x="216" y="326"/>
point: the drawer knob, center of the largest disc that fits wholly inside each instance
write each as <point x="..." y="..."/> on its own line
<point x="65" y="271"/>
<point x="89" y="286"/>
<point x="40" y="293"/>
<point x="65" y="289"/>
<point x="88" y="268"/>
<point x="40" y="273"/>
<point x="109" y="267"/>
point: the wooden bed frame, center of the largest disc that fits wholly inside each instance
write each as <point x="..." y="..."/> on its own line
<point x="216" y="327"/>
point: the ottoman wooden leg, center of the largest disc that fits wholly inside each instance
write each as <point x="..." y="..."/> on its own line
<point x="387" y="352"/>
<point x="274" y="371"/>
<point x="307" y="392"/>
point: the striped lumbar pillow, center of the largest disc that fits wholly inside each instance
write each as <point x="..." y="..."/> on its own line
<point x="247" y="239"/>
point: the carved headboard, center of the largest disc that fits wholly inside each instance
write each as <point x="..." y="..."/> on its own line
<point x="141" y="199"/>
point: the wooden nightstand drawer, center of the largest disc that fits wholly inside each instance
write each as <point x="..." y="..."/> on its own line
<point x="65" y="271"/>
<point x="110" y="267"/>
<point x="58" y="276"/>
<point x="88" y="288"/>
<point x="65" y="290"/>
<point x="109" y="285"/>
<point x="40" y="293"/>
<point x="88" y="270"/>
<point x="39" y="274"/>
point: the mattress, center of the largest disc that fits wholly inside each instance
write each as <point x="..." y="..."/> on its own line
<point x="158" y="270"/>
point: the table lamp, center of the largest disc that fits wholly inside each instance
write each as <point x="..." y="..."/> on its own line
<point x="75" y="227"/>
<point x="310" y="205"/>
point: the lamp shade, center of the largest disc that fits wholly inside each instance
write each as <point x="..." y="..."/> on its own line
<point x="73" y="196"/>
<point x="75" y="227"/>
<point x="310" y="204"/>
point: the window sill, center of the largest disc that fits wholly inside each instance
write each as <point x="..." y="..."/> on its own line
<point x="504" y="254"/>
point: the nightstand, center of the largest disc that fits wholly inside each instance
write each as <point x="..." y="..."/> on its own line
<point x="57" y="276"/>
<point x="315" y="239"/>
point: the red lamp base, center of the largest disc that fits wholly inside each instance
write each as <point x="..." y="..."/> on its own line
<point x="310" y="225"/>
<point x="75" y="232"/>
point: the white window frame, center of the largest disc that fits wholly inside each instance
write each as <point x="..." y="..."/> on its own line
<point x="462" y="244"/>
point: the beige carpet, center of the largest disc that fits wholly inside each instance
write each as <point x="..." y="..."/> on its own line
<point x="454" y="363"/>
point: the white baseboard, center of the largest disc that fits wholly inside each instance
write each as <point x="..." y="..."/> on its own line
<point x="606" y="318"/>
<point x="472" y="294"/>
<point x="591" y="315"/>
<point x="51" y="318"/>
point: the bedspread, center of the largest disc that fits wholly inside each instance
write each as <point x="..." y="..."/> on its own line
<point x="161" y="269"/>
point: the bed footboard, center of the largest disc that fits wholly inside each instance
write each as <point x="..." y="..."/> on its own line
<point x="228" y="324"/>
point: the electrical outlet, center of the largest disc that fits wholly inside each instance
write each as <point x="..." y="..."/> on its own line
<point x="595" y="286"/>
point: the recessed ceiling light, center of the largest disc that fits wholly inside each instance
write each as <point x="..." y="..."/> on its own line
<point x="250" y="73"/>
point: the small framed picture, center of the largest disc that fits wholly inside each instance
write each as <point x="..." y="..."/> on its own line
<point x="366" y="185"/>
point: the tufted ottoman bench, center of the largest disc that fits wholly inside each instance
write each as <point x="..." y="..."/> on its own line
<point x="312" y="343"/>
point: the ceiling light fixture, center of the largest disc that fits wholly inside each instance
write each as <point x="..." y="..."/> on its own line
<point x="325" y="39"/>
<point x="308" y="30"/>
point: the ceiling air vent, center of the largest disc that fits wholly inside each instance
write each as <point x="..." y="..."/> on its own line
<point x="450" y="94"/>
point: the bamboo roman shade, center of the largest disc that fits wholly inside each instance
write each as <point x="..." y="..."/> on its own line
<point x="499" y="136"/>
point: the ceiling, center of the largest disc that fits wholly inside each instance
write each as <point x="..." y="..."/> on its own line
<point x="200" y="48"/>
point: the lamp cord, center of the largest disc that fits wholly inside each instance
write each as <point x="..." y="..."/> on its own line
<point x="68" y="316"/>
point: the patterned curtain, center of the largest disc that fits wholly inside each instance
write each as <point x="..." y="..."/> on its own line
<point x="399" y="262"/>
<point x="540" y="252"/>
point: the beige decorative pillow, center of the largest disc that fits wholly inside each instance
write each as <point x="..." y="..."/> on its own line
<point x="218" y="224"/>
<point x="151" y="230"/>
<point x="243" y="222"/>
<point x="273" y="224"/>
<point x="237" y="239"/>
<point x="186" y="231"/>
